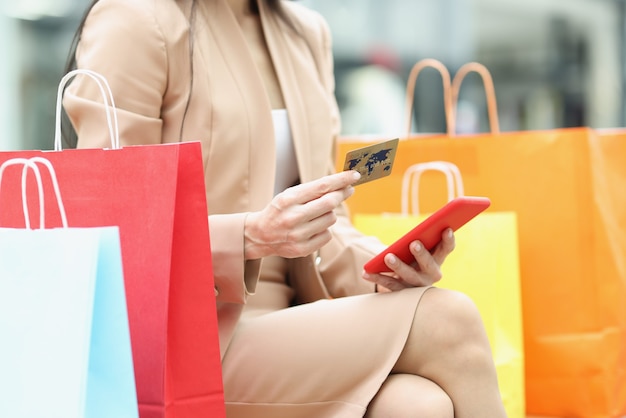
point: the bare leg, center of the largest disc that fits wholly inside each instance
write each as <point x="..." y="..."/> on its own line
<point x="410" y="396"/>
<point x="448" y="345"/>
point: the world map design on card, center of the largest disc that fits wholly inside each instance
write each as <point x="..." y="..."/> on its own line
<point x="373" y="162"/>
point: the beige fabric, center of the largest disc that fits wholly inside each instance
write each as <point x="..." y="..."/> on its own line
<point x="322" y="359"/>
<point x="143" y="48"/>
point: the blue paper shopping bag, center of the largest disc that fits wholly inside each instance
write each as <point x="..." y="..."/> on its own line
<point x="65" y="347"/>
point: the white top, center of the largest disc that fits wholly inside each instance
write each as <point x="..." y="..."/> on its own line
<point x="286" y="163"/>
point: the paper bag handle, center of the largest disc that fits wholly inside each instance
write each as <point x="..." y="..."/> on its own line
<point x="107" y="97"/>
<point x="410" y="91"/>
<point x="55" y="186"/>
<point x="26" y="163"/>
<point x="413" y="174"/>
<point x="490" y="93"/>
<point x="31" y="163"/>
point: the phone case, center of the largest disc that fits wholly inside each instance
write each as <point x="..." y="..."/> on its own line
<point x="454" y="214"/>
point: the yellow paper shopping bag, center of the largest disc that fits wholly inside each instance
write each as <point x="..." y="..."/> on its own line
<point x="484" y="266"/>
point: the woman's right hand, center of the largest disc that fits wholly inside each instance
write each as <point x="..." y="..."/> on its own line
<point x="296" y="221"/>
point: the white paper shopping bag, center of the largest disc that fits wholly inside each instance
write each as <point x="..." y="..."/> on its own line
<point x="65" y="347"/>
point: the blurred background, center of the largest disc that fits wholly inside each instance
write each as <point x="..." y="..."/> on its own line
<point x="555" y="63"/>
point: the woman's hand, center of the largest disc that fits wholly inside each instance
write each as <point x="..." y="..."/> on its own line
<point x="296" y="221"/>
<point x="425" y="271"/>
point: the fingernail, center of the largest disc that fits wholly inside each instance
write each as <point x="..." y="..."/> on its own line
<point x="449" y="233"/>
<point x="392" y="259"/>
<point x="356" y="175"/>
<point x="417" y="246"/>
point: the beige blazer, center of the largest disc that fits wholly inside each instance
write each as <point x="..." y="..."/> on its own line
<point x="143" y="48"/>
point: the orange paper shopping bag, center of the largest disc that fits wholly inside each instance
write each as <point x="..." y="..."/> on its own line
<point x="567" y="188"/>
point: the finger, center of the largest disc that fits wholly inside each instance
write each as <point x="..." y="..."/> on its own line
<point x="312" y="190"/>
<point x="428" y="270"/>
<point x="389" y="282"/>
<point x="445" y="246"/>
<point x="409" y="274"/>
<point x="326" y="203"/>
<point x="305" y="231"/>
<point x="314" y="243"/>
<point x="302" y="248"/>
<point x="291" y="215"/>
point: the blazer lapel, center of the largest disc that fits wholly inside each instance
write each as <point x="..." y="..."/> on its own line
<point x="280" y="48"/>
<point x="248" y="97"/>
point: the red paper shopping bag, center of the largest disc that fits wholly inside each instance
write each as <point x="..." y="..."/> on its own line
<point x="156" y="196"/>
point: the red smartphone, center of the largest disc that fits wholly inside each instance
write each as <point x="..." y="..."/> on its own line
<point x="454" y="214"/>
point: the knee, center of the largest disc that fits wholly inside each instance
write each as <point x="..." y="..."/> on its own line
<point x="447" y="337"/>
<point x="451" y="321"/>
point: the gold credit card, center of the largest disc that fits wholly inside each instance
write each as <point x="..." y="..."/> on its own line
<point x="373" y="162"/>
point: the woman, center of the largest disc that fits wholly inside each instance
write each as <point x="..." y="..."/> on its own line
<point x="254" y="83"/>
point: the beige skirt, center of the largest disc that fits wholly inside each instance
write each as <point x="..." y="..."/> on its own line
<point x="323" y="359"/>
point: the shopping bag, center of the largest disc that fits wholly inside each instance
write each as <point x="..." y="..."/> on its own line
<point x="65" y="348"/>
<point x="567" y="188"/>
<point x="485" y="266"/>
<point x="156" y="195"/>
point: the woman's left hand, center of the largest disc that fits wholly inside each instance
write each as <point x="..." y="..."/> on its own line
<point x="425" y="271"/>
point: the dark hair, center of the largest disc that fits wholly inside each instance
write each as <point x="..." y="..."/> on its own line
<point x="70" y="137"/>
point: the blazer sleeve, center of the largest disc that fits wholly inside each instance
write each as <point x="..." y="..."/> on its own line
<point x="227" y="243"/>
<point x="125" y="43"/>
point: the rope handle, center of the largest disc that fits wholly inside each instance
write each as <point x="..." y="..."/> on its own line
<point x="412" y="176"/>
<point x="447" y="97"/>
<point x="107" y="97"/>
<point x="31" y="164"/>
<point x="490" y="92"/>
